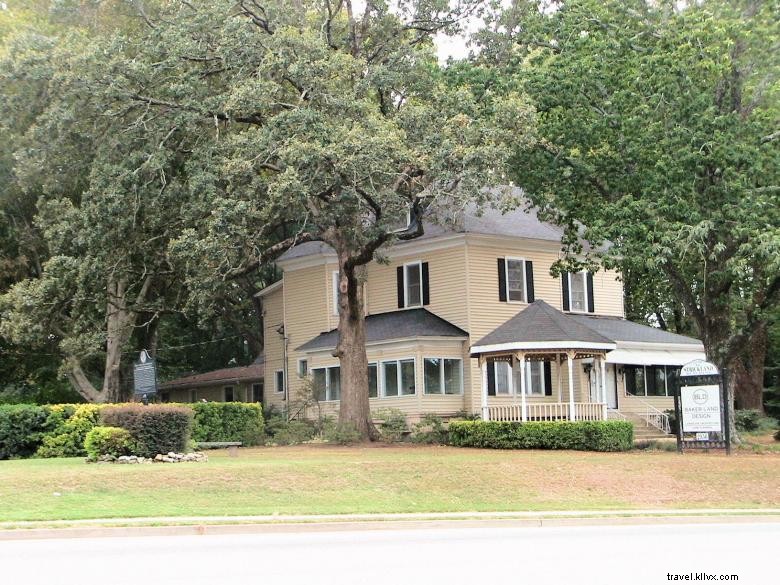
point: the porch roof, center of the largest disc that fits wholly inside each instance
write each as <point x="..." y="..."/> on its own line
<point x="542" y="327"/>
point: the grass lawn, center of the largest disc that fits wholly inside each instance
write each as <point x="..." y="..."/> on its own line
<point x="328" y="480"/>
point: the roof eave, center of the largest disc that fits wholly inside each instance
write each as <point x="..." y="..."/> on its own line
<point x="540" y="346"/>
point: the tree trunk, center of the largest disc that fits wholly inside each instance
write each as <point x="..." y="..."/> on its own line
<point x="351" y="350"/>
<point x="749" y="370"/>
<point x="81" y="383"/>
<point x="119" y="322"/>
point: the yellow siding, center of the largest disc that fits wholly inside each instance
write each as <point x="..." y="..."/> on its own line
<point x="273" y="316"/>
<point x="638" y="404"/>
<point x="608" y="293"/>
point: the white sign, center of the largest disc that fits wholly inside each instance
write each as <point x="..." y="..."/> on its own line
<point x="698" y="368"/>
<point x="702" y="436"/>
<point x="700" y="408"/>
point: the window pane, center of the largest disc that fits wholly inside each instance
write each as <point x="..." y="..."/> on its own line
<point x="658" y="387"/>
<point x="407" y="377"/>
<point x="413" y="288"/>
<point x="335" y="383"/>
<point x="318" y="381"/>
<point x="673" y="380"/>
<point x="502" y="377"/>
<point x="515" y="280"/>
<point x="432" y="369"/>
<point x="280" y="381"/>
<point x="635" y="381"/>
<point x="453" y="383"/>
<point x="229" y="394"/>
<point x="534" y="378"/>
<point x="390" y="378"/>
<point x="577" y="291"/>
<point x="372" y="381"/>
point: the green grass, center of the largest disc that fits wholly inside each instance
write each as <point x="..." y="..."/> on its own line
<point x="334" y="480"/>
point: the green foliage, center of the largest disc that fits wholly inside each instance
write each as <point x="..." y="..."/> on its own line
<point x="747" y="420"/>
<point x="343" y="433"/>
<point x="228" y="421"/>
<point x="580" y="435"/>
<point x="430" y="430"/>
<point x="156" y="428"/>
<point x="294" y="432"/>
<point x="21" y="429"/>
<point x="108" y="441"/>
<point x="66" y="438"/>
<point x="392" y="424"/>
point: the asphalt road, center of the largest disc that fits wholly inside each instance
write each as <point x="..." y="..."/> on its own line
<point x="489" y="554"/>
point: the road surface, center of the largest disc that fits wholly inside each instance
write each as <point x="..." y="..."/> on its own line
<point x="451" y="555"/>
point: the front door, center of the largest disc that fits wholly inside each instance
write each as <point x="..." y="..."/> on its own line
<point x="611" y="387"/>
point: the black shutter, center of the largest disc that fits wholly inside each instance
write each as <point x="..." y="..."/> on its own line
<point x="591" y="305"/>
<point x="426" y="289"/>
<point x="529" y="280"/>
<point x="547" y="379"/>
<point x="399" y="279"/>
<point x="491" y="378"/>
<point x="502" y="280"/>
<point x="565" y="282"/>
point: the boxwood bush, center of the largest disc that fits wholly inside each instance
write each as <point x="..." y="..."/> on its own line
<point x="22" y="427"/>
<point x="580" y="435"/>
<point x="67" y="427"/>
<point x="156" y="428"/>
<point x="228" y="421"/>
<point x="109" y="441"/>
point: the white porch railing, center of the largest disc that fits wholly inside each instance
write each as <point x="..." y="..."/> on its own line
<point x="546" y="411"/>
<point x="654" y="417"/>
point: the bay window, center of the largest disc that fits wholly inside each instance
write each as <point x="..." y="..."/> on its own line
<point x="327" y="383"/>
<point x="443" y="376"/>
<point x="398" y="378"/>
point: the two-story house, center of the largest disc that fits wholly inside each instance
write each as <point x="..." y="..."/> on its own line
<point x="470" y="319"/>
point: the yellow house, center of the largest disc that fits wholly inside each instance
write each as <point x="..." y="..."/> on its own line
<point x="454" y="317"/>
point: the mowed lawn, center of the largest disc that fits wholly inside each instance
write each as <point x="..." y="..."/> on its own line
<point x="326" y="480"/>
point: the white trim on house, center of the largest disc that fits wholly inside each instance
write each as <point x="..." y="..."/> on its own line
<point x="269" y="289"/>
<point x="381" y="374"/>
<point x="399" y="343"/>
<point x="277" y="389"/>
<point x="334" y="276"/>
<point x="441" y="375"/>
<point x="553" y="345"/>
<point x="586" y="302"/>
<point x="652" y="357"/>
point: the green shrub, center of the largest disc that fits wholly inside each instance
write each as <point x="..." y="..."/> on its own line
<point x="108" y="441"/>
<point x="341" y="433"/>
<point x="777" y="436"/>
<point x="274" y="420"/>
<point x="294" y="432"/>
<point x="430" y="430"/>
<point x="228" y="421"/>
<point x="747" y="420"/>
<point x="156" y="428"/>
<point x="581" y="435"/>
<point x="22" y="428"/>
<point x="67" y="428"/>
<point x="393" y="424"/>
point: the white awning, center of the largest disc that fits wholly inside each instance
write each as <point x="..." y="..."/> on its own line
<point x="653" y="357"/>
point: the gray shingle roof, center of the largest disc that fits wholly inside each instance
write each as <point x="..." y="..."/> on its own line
<point x="522" y="222"/>
<point x="539" y="322"/>
<point x="619" y="329"/>
<point x="393" y="325"/>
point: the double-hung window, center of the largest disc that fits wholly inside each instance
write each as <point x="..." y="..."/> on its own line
<point x="327" y="383"/>
<point x="578" y="292"/>
<point x="398" y="378"/>
<point x="534" y="380"/>
<point x="503" y="377"/>
<point x="279" y="381"/>
<point x="515" y="280"/>
<point x="443" y="376"/>
<point x="413" y="285"/>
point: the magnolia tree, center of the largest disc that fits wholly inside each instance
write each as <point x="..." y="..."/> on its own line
<point x="658" y="131"/>
<point x="309" y="121"/>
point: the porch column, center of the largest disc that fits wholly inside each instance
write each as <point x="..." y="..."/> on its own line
<point x="523" y="405"/>
<point x="570" y="362"/>
<point x="559" y="363"/>
<point x="603" y="364"/>
<point x="484" y="389"/>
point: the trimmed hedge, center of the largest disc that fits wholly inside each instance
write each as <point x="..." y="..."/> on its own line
<point x="581" y="435"/>
<point x="228" y="421"/>
<point x="22" y="427"/>
<point x="69" y="430"/>
<point x="156" y="428"/>
<point x="109" y="441"/>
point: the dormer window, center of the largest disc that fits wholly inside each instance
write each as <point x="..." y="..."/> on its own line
<point x="412" y="283"/>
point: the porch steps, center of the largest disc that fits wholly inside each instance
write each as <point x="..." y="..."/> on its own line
<point x="643" y="431"/>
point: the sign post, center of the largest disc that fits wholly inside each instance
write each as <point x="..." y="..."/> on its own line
<point x="701" y="407"/>
<point x="145" y="376"/>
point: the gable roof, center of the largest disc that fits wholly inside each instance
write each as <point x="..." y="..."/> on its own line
<point x="404" y="324"/>
<point x="540" y="324"/>
<point x="236" y="374"/>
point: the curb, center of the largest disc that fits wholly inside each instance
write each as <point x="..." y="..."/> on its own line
<point x="364" y="522"/>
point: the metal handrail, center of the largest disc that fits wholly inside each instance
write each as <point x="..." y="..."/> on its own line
<point x="614" y="413"/>
<point x="655" y="417"/>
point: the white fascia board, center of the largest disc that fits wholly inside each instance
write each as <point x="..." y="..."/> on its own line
<point x="269" y="289"/>
<point x="660" y="345"/>
<point x="540" y="345"/>
<point x="395" y="343"/>
<point x="306" y="261"/>
<point x="500" y="241"/>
